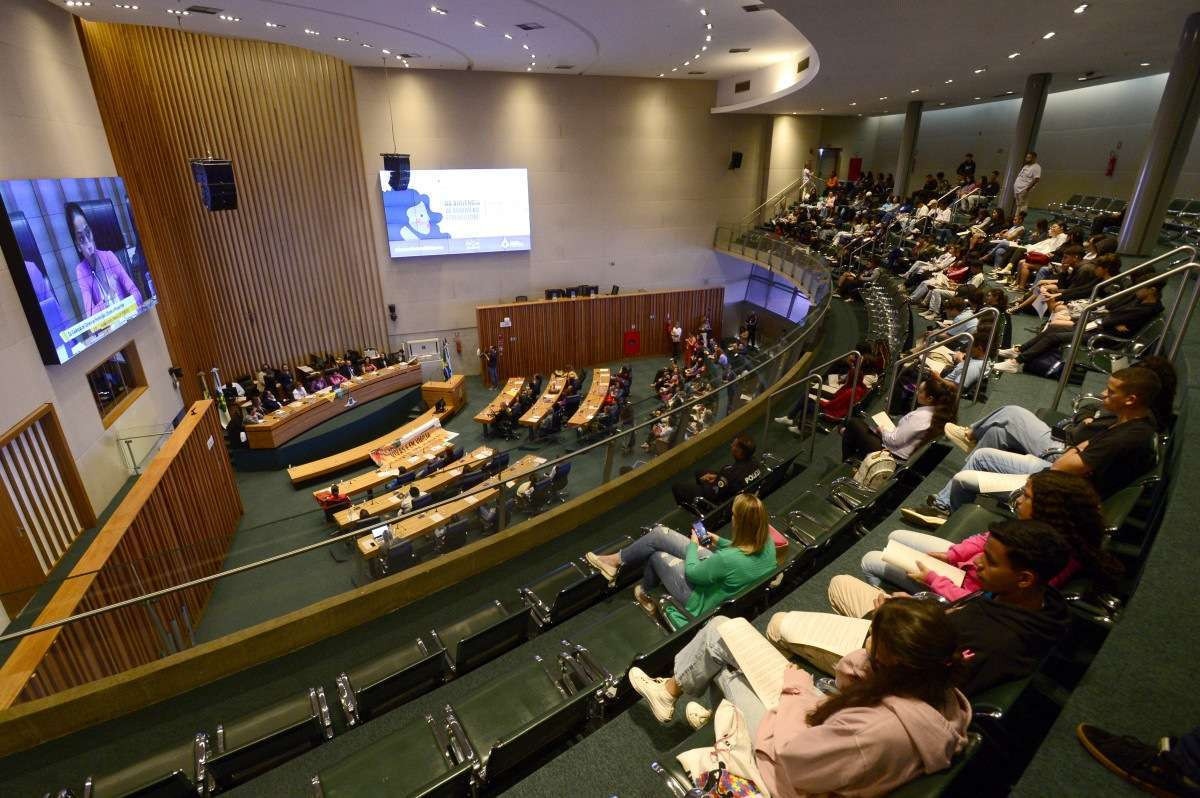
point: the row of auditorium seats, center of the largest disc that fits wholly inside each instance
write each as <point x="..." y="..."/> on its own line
<point x="366" y="690"/>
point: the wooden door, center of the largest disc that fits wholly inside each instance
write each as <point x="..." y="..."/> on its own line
<point x="20" y="572"/>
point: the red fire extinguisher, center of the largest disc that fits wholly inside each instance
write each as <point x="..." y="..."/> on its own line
<point x="1112" y="163"/>
<point x="458" y="344"/>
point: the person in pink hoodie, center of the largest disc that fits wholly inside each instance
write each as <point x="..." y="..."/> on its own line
<point x="897" y="714"/>
<point x="1065" y="501"/>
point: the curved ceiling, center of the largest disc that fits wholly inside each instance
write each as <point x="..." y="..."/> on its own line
<point x="637" y="38"/>
<point x="876" y="58"/>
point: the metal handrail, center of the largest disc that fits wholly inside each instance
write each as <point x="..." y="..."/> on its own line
<point x="816" y="373"/>
<point x="1130" y="272"/>
<point x="1081" y="322"/>
<point x="915" y="356"/>
<point x="798" y="335"/>
<point x="799" y="182"/>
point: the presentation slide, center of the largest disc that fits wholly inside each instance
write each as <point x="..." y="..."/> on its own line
<point x="74" y="255"/>
<point x="457" y="211"/>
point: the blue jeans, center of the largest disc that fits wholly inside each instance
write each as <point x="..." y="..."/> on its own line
<point x="661" y="551"/>
<point x="963" y="487"/>
<point x="877" y="571"/>
<point x="1014" y="429"/>
<point x="494" y="375"/>
<point x="706" y="663"/>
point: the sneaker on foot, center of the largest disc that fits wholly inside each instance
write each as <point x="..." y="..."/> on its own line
<point x="783" y="420"/>
<point x="1009" y="353"/>
<point x="960" y="436"/>
<point x="643" y="599"/>
<point x="930" y="515"/>
<point x="607" y="571"/>
<point x="1009" y="367"/>
<point x="794" y="429"/>
<point x="697" y="715"/>
<point x="662" y="704"/>
<point x="1139" y="763"/>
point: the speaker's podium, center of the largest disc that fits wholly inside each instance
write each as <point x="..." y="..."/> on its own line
<point x="453" y="390"/>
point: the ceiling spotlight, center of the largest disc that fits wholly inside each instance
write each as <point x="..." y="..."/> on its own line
<point x="703" y="48"/>
<point x="125" y="6"/>
<point x="674" y="69"/>
<point x="173" y="11"/>
<point x="274" y="25"/>
<point x="386" y="52"/>
<point x="853" y="104"/>
<point x="913" y="91"/>
<point x="479" y="24"/>
<point x="883" y="98"/>
<point x="1079" y="9"/>
<point x="820" y="109"/>
<point x="697" y="55"/>
<point x="437" y="10"/>
<point x="342" y="39"/>
<point x="686" y="63"/>
<point x="708" y="26"/>
<point x="708" y="38"/>
<point x="229" y="18"/>
<point x="308" y="31"/>
<point x="78" y="3"/>
<point x="1144" y="63"/>
<point x="978" y="98"/>
<point x="941" y="103"/>
<point x="704" y="12"/>
<point x="1049" y="35"/>
<point x="1013" y="55"/>
<point x="662" y="74"/>
<point x="980" y="70"/>
<point x="1081" y="78"/>
<point x="1009" y="92"/>
<point x="529" y="69"/>
<point x="951" y="80"/>
<point x="364" y="44"/>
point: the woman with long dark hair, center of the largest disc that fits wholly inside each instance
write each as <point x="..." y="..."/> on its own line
<point x="897" y="715"/>
<point x="1066" y="502"/>
<point x="101" y="277"/>
<point x="936" y="407"/>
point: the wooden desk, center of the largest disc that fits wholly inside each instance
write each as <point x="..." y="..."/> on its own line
<point x="299" y="417"/>
<point x="590" y="405"/>
<point x="534" y="415"/>
<point x="390" y="501"/>
<point x="506" y="397"/>
<point x="423" y="523"/>
<point x="453" y="391"/>
<point x="359" y="454"/>
<point x="414" y="459"/>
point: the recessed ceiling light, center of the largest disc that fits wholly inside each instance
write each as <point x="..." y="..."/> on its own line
<point x="386" y="52"/>
<point x="1081" y="78"/>
<point x="173" y="11"/>
<point x="479" y="24"/>
<point x="78" y="3"/>
<point x="437" y="10"/>
<point x="1013" y="55"/>
<point x="1144" y="63"/>
<point x="342" y="39"/>
<point x="704" y="12"/>
<point x="406" y="65"/>
<point x="1049" y="35"/>
<point x="853" y="104"/>
<point x="529" y="69"/>
<point x="860" y="114"/>
<point x="674" y="69"/>
<point x="364" y="44"/>
<point x="979" y="70"/>
<point x="794" y="113"/>
<point x="228" y="18"/>
<point x="708" y="38"/>
<point x="274" y="25"/>
<point x="662" y="74"/>
<point x="883" y="98"/>
<point x="1009" y="92"/>
<point x="508" y="35"/>
<point x="708" y="26"/>
<point x="697" y="55"/>
<point x="309" y="32"/>
<point x="703" y="47"/>
<point x="524" y="46"/>
<point x="951" y="80"/>
<point x="1079" y="9"/>
<point x="913" y="91"/>
<point x="125" y="6"/>
<point x="941" y="103"/>
<point x="686" y="63"/>
<point x="978" y="98"/>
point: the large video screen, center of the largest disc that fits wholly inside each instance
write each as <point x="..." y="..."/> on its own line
<point x="74" y="255"/>
<point x="457" y="211"/>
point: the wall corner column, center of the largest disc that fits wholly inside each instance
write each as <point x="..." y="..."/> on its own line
<point x="1029" y="123"/>
<point x="908" y="146"/>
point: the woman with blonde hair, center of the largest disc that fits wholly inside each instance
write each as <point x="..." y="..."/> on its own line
<point x="700" y="573"/>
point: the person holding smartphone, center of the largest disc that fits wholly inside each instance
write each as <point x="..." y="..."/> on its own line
<point x="700" y="570"/>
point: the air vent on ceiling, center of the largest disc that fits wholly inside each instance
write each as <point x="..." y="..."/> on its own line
<point x="204" y="10"/>
<point x="739" y="49"/>
<point x="530" y="26"/>
<point x="802" y="65"/>
<point x="738" y="88"/>
<point x="565" y="66"/>
<point x="698" y="73"/>
<point x="755" y="7"/>
<point x="410" y="55"/>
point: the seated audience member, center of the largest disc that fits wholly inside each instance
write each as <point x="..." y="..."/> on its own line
<point x="1003" y="250"/>
<point x="699" y="577"/>
<point x="1068" y="281"/>
<point x="718" y="486"/>
<point x="960" y="319"/>
<point x="253" y="412"/>
<point x="1123" y="320"/>
<point x="661" y="430"/>
<point x="935" y="407"/>
<point x="1065" y="502"/>
<point x="318" y="383"/>
<point x="336" y="378"/>
<point x="332" y="500"/>
<point x="413" y="494"/>
<point x="269" y="403"/>
<point x="299" y="392"/>
<point x="969" y="366"/>
<point x="368" y="366"/>
<point x="440" y="406"/>
<point x="1036" y="254"/>
<point x="1014" y="441"/>
<point x="235" y="435"/>
<point x="284" y="377"/>
<point x="897" y="714"/>
<point x="1009" y="625"/>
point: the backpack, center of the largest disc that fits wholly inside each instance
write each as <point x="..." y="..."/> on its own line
<point x="876" y="469"/>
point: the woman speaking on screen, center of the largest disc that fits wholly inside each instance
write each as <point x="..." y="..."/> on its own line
<point x="100" y="276"/>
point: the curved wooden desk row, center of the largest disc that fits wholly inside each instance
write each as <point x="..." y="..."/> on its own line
<point x="300" y="416"/>
<point x="341" y="461"/>
<point x="389" y="502"/>
<point x="590" y="406"/>
<point x="504" y="399"/>
<point x="534" y="415"/>
<point x="424" y="523"/>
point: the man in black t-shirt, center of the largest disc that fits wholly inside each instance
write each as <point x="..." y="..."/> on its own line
<point x="967" y="167"/>
<point x="717" y="486"/>
<point x="1015" y="441"/>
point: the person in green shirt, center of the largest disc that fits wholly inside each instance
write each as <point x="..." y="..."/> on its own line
<point x="700" y="577"/>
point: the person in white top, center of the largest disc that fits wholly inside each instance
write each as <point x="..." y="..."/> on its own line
<point x="676" y="338"/>
<point x="1027" y="179"/>
<point x="298" y="392"/>
<point x="935" y="407"/>
<point x="1039" y="254"/>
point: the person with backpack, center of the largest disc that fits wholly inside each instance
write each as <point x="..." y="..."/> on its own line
<point x="935" y="408"/>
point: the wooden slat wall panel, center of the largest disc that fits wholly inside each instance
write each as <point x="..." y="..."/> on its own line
<point x="581" y="332"/>
<point x="175" y="525"/>
<point x="293" y="270"/>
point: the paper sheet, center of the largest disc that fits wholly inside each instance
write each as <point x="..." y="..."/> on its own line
<point x="884" y="422"/>
<point x="759" y="661"/>
<point x="906" y="558"/>
<point x="999" y="483"/>
<point x="823" y="638"/>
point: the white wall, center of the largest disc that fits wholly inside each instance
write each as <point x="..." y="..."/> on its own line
<point x="1080" y="127"/>
<point x="627" y="180"/>
<point x="794" y="140"/>
<point x="50" y="127"/>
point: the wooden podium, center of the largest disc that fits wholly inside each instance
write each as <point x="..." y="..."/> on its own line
<point x="454" y="391"/>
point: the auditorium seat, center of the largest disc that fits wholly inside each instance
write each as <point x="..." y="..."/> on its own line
<point x="264" y="739"/>
<point x="381" y="684"/>
<point x="455" y="536"/>
<point x="949" y="781"/>
<point x="172" y="773"/>
<point x="562" y="592"/>
<point x="485" y="634"/>
<point x="419" y="760"/>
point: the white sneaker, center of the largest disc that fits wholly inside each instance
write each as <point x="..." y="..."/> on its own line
<point x="1006" y="270"/>
<point x="697" y="715"/>
<point x="1008" y="354"/>
<point x="783" y="420"/>
<point x="1008" y="367"/>
<point x="960" y="436"/>
<point x="794" y="430"/>
<point x="656" y="695"/>
<point x="607" y="571"/>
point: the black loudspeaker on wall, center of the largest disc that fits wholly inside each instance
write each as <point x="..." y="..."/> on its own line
<point x="218" y="192"/>
<point x="735" y="160"/>
<point x="399" y="165"/>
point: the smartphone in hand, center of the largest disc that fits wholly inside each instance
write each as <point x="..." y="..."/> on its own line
<point x="701" y="533"/>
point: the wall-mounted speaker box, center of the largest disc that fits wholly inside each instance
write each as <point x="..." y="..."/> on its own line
<point x="218" y="191"/>
<point x="735" y="160"/>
